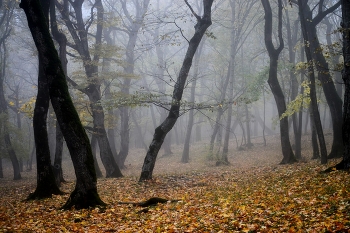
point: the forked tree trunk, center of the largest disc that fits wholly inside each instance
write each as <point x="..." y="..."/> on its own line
<point x="85" y="193"/>
<point x="333" y="99"/>
<point x="161" y="131"/>
<point x="314" y="107"/>
<point x="288" y="155"/>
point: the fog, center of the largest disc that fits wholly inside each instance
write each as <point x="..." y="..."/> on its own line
<point x="143" y="44"/>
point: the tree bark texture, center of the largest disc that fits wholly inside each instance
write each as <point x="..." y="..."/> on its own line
<point x="85" y="193"/>
<point x="161" y="131"/>
<point x="288" y="155"/>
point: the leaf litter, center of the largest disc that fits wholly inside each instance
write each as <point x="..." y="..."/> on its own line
<point x="267" y="198"/>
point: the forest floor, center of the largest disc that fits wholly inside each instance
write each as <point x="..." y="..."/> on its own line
<point x="252" y="194"/>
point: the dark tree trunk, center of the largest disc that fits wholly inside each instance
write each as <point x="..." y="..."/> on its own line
<point x="46" y="183"/>
<point x="94" y="152"/>
<point x="346" y="79"/>
<point x="288" y="155"/>
<point x="292" y="40"/>
<point x="186" y="150"/>
<point x="85" y="193"/>
<point x="1" y="169"/>
<point x="62" y="41"/>
<point x="314" y="142"/>
<point x="333" y="99"/>
<point x="161" y="131"/>
<point x="345" y="163"/>
<point x="79" y="34"/>
<point x="314" y="107"/>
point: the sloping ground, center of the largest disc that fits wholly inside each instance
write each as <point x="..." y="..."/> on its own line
<point x="253" y="194"/>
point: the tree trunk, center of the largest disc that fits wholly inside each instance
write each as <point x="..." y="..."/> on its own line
<point x="288" y="155"/>
<point x="85" y="193"/>
<point x="333" y="100"/>
<point x="220" y="112"/>
<point x="46" y="184"/>
<point x="314" y="142"/>
<point x="94" y="145"/>
<point x="186" y="150"/>
<point x="314" y="107"/>
<point x="62" y="41"/>
<point x="5" y="20"/>
<point x="1" y="169"/>
<point x="79" y="34"/>
<point x="161" y="131"/>
<point x="345" y="163"/>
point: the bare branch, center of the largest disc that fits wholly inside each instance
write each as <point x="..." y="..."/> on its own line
<point x="194" y="13"/>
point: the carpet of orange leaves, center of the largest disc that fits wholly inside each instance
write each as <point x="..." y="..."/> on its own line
<point x="253" y="194"/>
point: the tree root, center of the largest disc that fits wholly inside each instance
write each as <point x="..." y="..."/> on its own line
<point x="150" y="202"/>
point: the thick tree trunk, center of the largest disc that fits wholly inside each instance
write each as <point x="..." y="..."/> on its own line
<point x="345" y="163"/>
<point x="1" y="169"/>
<point x="85" y="193"/>
<point x="161" y="131"/>
<point x="46" y="183"/>
<point x="288" y="155"/>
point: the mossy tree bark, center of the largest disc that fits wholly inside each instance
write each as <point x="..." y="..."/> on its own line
<point x="288" y="155"/>
<point x="161" y="131"/>
<point x="85" y="193"/>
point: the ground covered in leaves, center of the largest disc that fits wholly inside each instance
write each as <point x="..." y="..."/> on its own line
<point x="234" y="198"/>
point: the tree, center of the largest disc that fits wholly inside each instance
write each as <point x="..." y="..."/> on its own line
<point x="62" y="42"/>
<point x="161" y="131"/>
<point x="288" y="155"/>
<point x="314" y="107"/>
<point x="333" y="99"/>
<point x="46" y="183"/>
<point x="85" y="193"/>
<point x="79" y="31"/>
<point x="345" y="29"/>
<point x="346" y="78"/>
<point x="5" y="28"/>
